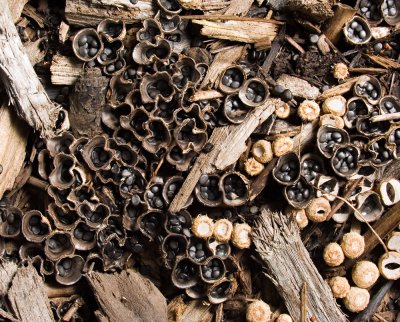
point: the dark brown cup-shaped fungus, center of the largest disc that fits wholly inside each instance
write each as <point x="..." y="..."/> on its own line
<point x="391" y="11"/>
<point x="134" y="207"/>
<point x="69" y="269"/>
<point x="221" y="250"/>
<point x="369" y="207"/>
<point x="357" y="31"/>
<point x="232" y="79"/>
<point x="58" y="244"/>
<point x="76" y="149"/>
<point x="132" y="74"/>
<point x="60" y="144"/>
<point x="165" y="110"/>
<point x="124" y="153"/>
<point x="151" y="224"/>
<point x="155" y="87"/>
<point x="179" y="223"/>
<point x="311" y="166"/>
<point x="87" y="44"/>
<point x="371" y="11"/>
<point x="222" y="290"/>
<point x="345" y="160"/>
<point x="60" y="197"/>
<point x="110" y="52"/>
<point x="234" y="109"/>
<point x="171" y="188"/>
<point x="145" y="53"/>
<point x="300" y="194"/>
<point x="35" y="227"/>
<point x="110" y="115"/>
<point x="11" y="220"/>
<point x="197" y="291"/>
<point x="382" y="155"/>
<point x="207" y="190"/>
<point x="158" y="136"/>
<point x="112" y="29"/>
<point x="329" y="137"/>
<point x="114" y="256"/>
<point x="186" y="73"/>
<point x="368" y="128"/>
<point x="112" y="230"/>
<point x="153" y="196"/>
<point x="151" y="29"/>
<point x="126" y="136"/>
<point x="188" y="137"/>
<point x="63" y="219"/>
<point x="132" y="181"/>
<point x="34" y="253"/>
<point x="136" y="122"/>
<point x="117" y="68"/>
<point x="180" y="160"/>
<point x="185" y="273"/>
<point x="213" y="270"/>
<point x="168" y="23"/>
<point x="361" y="142"/>
<point x="45" y="164"/>
<point x="83" y="237"/>
<point x="328" y="184"/>
<point x="198" y="250"/>
<point x="394" y="141"/>
<point x="119" y="90"/>
<point x="195" y="112"/>
<point x="82" y="193"/>
<point x="173" y="246"/>
<point x="254" y="92"/>
<point x="93" y="262"/>
<point x="169" y="6"/>
<point x="287" y="169"/>
<point x="369" y="88"/>
<point x="357" y="108"/>
<point x="95" y="153"/>
<point x="389" y="104"/>
<point x="94" y="215"/>
<point x="235" y="189"/>
<point x="62" y="176"/>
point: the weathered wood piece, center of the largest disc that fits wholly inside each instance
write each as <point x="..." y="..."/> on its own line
<point x="316" y="10"/>
<point x="65" y="70"/>
<point x="299" y="87"/>
<point x="16" y="7"/>
<point x="277" y="241"/>
<point x="205" y="5"/>
<point x="242" y="31"/>
<point x="22" y="85"/>
<point x="127" y="296"/>
<point x="339" y="89"/>
<point x="195" y="310"/>
<point x="7" y="272"/>
<point x="91" y="12"/>
<point x="87" y="102"/>
<point x="229" y="143"/>
<point x="333" y="28"/>
<point x="28" y="298"/>
<point x="14" y="133"/>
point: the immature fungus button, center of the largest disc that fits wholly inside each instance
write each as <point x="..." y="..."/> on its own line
<point x="389" y="265"/>
<point x="203" y="226"/>
<point x="284" y="318"/>
<point x="262" y="151"/>
<point x="223" y="230"/>
<point x="335" y="105"/>
<point x="253" y="167"/>
<point x="340" y="71"/>
<point x="258" y="311"/>
<point x="365" y="274"/>
<point x="241" y="236"/>
<point x="340" y="286"/>
<point x="318" y="209"/>
<point x="353" y="245"/>
<point x="333" y="254"/>
<point x="282" y="145"/>
<point x="308" y="110"/>
<point x="357" y="299"/>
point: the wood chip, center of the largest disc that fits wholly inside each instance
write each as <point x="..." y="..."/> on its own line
<point x="16" y="7"/>
<point x="299" y="87"/>
<point x="65" y="70"/>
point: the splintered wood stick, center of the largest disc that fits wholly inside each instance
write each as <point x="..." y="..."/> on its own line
<point x="289" y="266"/>
<point x="22" y="85"/>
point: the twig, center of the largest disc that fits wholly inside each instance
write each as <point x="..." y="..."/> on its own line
<point x="385" y="117"/>
<point x="295" y="45"/>
<point x="304" y="303"/>
<point x="38" y="183"/>
<point x="227" y="17"/>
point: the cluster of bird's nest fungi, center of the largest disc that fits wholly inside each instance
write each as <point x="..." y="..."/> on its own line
<point x="109" y="194"/>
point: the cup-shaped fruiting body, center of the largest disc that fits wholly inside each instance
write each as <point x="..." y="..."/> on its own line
<point x="318" y="209"/>
<point x="335" y="105"/>
<point x="329" y="137"/>
<point x="254" y="92"/>
<point x="11" y="221"/>
<point x="340" y="286"/>
<point x="62" y="176"/>
<point x="62" y="218"/>
<point x="372" y="129"/>
<point x="145" y="53"/>
<point x="357" y="107"/>
<point x="110" y="53"/>
<point x="203" y="226"/>
<point x="369" y="88"/>
<point x="390" y="12"/>
<point x="219" y="249"/>
<point x="300" y="194"/>
<point x="371" y="11"/>
<point x="287" y="169"/>
<point x="235" y="189"/>
<point x="222" y="290"/>
<point x="157" y="86"/>
<point x="185" y="273"/>
<point x="357" y="299"/>
<point x="331" y="120"/>
<point x="340" y="71"/>
<point x="94" y="215"/>
<point x="173" y="245"/>
<point x="35" y="226"/>
<point x="171" y="188"/>
<point x="69" y="269"/>
<point x="389" y="104"/>
<point x="112" y="29"/>
<point x="60" y="144"/>
<point x="345" y="160"/>
<point x="179" y="159"/>
<point x="262" y="151"/>
<point x="299" y="216"/>
<point x="234" y="109"/>
<point x="394" y="141"/>
<point x="253" y="167"/>
<point x="96" y="154"/>
<point x="198" y="250"/>
<point x="241" y="236"/>
<point x="258" y="311"/>
<point x="189" y="137"/>
<point x="282" y="110"/>
<point x="312" y="166"/>
<point x="327" y="184"/>
<point x="153" y="196"/>
<point x="282" y="145"/>
<point x="83" y="237"/>
<point x="357" y="31"/>
<point x="115" y="68"/>
<point x="365" y="274"/>
<point x="393" y="242"/>
<point x="369" y="206"/>
<point x="169" y="6"/>
<point x="389" y="265"/>
<point x="380" y="150"/>
<point x="232" y="79"/>
<point x="353" y="245"/>
<point x="308" y="110"/>
<point x="223" y="230"/>
<point x="207" y="190"/>
<point x="150" y="32"/>
<point x="151" y="224"/>
<point x="333" y="254"/>
<point x="213" y="270"/>
<point x="58" y="244"/>
<point x="87" y="44"/>
<point x="284" y="318"/>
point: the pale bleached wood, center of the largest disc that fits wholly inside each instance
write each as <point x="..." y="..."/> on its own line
<point x="91" y="12"/>
<point x="333" y="28"/>
<point x="28" y="298"/>
<point x="229" y="144"/>
<point x="240" y="8"/>
<point x="65" y="70"/>
<point x="16" y="7"/>
<point x="22" y="85"/>
<point x="289" y="266"/>
<point x="316" y="10"/>
<point x="299" y="87"/>
<point x="205" y="5"/>
<point x="13" y="133"/>
<point x="7" y="272"/>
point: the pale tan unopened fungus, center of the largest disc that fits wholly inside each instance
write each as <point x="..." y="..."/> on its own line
<point x="357" y="299"/>
<point x="353" y="245"/>
<point x="262" y="151"/>
<point x="393" y="242"/>
<point x="253" y="167"/>
<point x="308" y="110"/>
<point x="365" y="274"/>
<point x="335" y="105"/>
<point x="241" y="236"/>
<point x="299" y="216"/>
<point x="223" y="230"/>
<point x="203" y="226"/>
<point x="340" y="71"/>
<point x="340" y="286"/>
<point x="318" y="209"/>
<point x="258" y="311"/>
<point x="282" y="111"/>
<point x="333" y="254"/>
<point x="282" y="145"/>
<point x="389" y="265"/>
<point x="389" y="191"/>
<point x="332" y="120"/>
<point x="284" y="318"/>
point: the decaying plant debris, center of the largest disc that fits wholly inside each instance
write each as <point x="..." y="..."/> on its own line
<point x="199" y="160"/>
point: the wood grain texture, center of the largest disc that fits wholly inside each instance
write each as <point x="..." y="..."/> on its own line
<point x="14" y="133"/>
<point x="16" y="7"/>
<point x="28" y="298"/>
<point x="22" y="85"/>
<point x="65" y="70"/>
<point x="289" y="266"/>
<point x="127" y="296"/>
<point x="299" y="87"/>
<point x="7" y="272"/>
